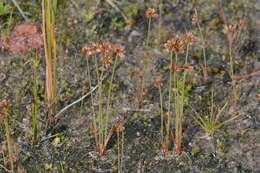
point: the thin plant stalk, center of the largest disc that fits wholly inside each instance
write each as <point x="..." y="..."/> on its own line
<point x="35" y="106"/>
<point x="109" y="95"/>
<point x="162" y="117"/>
<point x="91" y="94"/>
<point x="148" y="31"/>
<point x="49" y="35"/>
<point x="234" y="94"/>
<point x="169" y="104"/>
<point x="120" y="150"/>
<point x="100" y="108"/>
<point x="179" y="107"/>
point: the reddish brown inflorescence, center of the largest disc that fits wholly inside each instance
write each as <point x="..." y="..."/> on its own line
<point x="151" y="13"/>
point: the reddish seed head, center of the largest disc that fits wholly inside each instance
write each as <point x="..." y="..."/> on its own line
<point x="106" y="60"/>
<point x="175" y="44"/>
<point x="150" y="13"/>
<point x="189" y="38"/>
<point x="175" y="68"/>
<point x="158" y="82"/>
<point x="120" y="51"/>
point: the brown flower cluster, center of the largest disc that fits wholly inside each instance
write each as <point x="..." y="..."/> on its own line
<point x="176" y="68"/>
<point x="3" y="107"/>
<point x="177" y="42"/>
<point x="233" y="31"/>
<point x="151" y="13"/>
<point x="106" y="48"/>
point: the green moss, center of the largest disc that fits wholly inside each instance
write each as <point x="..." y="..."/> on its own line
<point x="195" y="150"/>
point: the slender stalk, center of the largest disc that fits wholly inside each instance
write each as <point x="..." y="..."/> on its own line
<point x="91" y="97"/>
<point x="148" y="31"/>
<point x="162" y="119"/>
<point x="109" y="96"/>
<point x="8" y="139"/>
<point x="35" y="106"/>
<point x="100" y="109"/>
<point x="169" y="103"/>
<point x="234" y="94"/>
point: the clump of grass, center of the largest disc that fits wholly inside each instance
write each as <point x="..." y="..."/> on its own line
<point x="49" y="8"/>
<point x="105" y="57"/>
<point x="176" y="83"/>
<point x="233" y="35"/>
<point x="4" y="106"/>
<point x="210" y="121"/>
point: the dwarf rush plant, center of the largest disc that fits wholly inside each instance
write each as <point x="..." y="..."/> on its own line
<point x="210" y="121"/>
<point x="196" y="22"/>
<point x="233" y="33"/>
<point x="176" y="83"/>
<point x="105" y="57"/>
<point x="49" y="8"/>
<point x="150" y="13"/>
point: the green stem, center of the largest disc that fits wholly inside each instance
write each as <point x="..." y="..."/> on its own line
<point x="234" y="94"/>
<point x="109" y="96"/>
<point x="169" y="102"/>
<point x="8" y="139"/>
<point x="162" y="119"/>
<point x="148" y="31"/>
<point x="100" y="108"/>
<point x="91" y="94"/>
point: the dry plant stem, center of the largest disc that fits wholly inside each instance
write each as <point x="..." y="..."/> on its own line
<point x="20" y="10"/>
<point x="109" y="95"/>
<point x="245" y="76"/>
<point x="169" y="104"/>
<point x="50" y="52"/>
